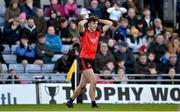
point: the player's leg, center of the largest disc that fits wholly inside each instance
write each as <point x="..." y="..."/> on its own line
<point x="81" y="86"/>
<point x="77" y="91"/>
<point x="92" y="80"/>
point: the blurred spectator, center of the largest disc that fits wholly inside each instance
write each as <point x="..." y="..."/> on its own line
<point x="13" y="78"/>
<point x="140" y="26"/>
<point x="168" y="34"/>
<point x="102" y="57"/>
<point x="135" y="41"/>
<point x="152" y="74"/>
<point x="73" y="31"/>
<point x="29" y="9"/>
<point x="30" y="30"/>
<point x="12" y="11"/>
<point x="63" y="30"/>
<point x="107" y="71"/>
<point x="121" y="77"/>
<point x="111" y="45"/>
<point x="107" y="4"/>
<point x="43" y="52"/>
<point x="174" y="46"/>
<point x="40" y="21"/>
<point x="53" y="41"/>
<point x="125" y="54"/>
<point x="54" y="5"/>
<point x="149" y="37"/>
<point x="94" y="9"/>
<point x="21" y="2"/>
<point x="116" y="12"/>
<point x="12" y="32"/>
<point x="23" y="19"/>
<point x="148" y="20"/>
<point x="123" y="30"/>
<point x="151" y="58"/>
<point x="54" y="20"/>
<point x="25" y="52"/>
<point x="163" y="60"/>
<point x="120" y="63"/>
<point x="131" y="16"/>
<point x="129" y="4"/>
<point x="158" y="47"/>
<point x="141" y="66"/>
<point x="158" y="27"/>
<point x="171" y="77"/>
<point x="64" y="63"/>
<point x="172" y="63"/>
<point x="70" y="9"/>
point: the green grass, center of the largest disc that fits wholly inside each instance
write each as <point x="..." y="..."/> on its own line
<point x="87" y="107"/>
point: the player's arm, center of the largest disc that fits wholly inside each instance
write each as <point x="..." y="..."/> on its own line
<point x="107" y="24"/>
<point x="81" y="25"/>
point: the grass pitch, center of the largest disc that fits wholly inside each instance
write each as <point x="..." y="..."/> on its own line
<point x="87" y="107"/>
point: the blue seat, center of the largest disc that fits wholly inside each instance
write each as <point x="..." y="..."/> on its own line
<point x="20" y="68"/>
<point x="56" y="77"/>
<point x="13" y="49"/>
<point x="5" y="68"/>
<point x="10" y="58"/>
<point x="65" y="48"/>
<point x="33" y="68"/>
<point x="48" y="68"/>
<point x="7" y="49"/>
<point x="56" y="57"/>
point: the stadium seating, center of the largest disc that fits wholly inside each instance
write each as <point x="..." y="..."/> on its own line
<point x="59" y="77"/>
<point x="10" y="58"/>
<point x="5" y="68"/>
<point x="33" y="68"/>
<point x="20" y="68"/>
<point x="13" y="49"/>
<point x="7" y="49"/>
<point x="47" y="68"/>
<point x="65" y="48"/>
<point x="56" y="57"/>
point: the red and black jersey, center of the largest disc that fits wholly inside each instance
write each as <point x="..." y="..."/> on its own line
<point x="89" y="44"/>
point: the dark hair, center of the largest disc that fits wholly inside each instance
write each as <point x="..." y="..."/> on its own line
<point x="120" y="67"/>
<point x="74" y="21"/>
<point x="151" y="65"/>
<point x="123" y="19"/>
<point x="142" y="54"/>
<point x="150" y="29"/>
<point x="93" y="18"/>
<point x="40" y="35"/>
<point x="63" y="19"/>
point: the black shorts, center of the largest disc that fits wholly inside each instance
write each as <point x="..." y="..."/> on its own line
<point x="86" y="64"/>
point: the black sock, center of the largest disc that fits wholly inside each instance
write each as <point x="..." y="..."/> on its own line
<point x="93" y="103"/>
<point x="71" y="100"/>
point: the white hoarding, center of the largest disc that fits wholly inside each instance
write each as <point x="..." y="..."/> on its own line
<point x="113" y="93"/>
<point x="17" y="94"/>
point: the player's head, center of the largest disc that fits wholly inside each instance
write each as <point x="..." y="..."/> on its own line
<point x="92" y="23"/>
